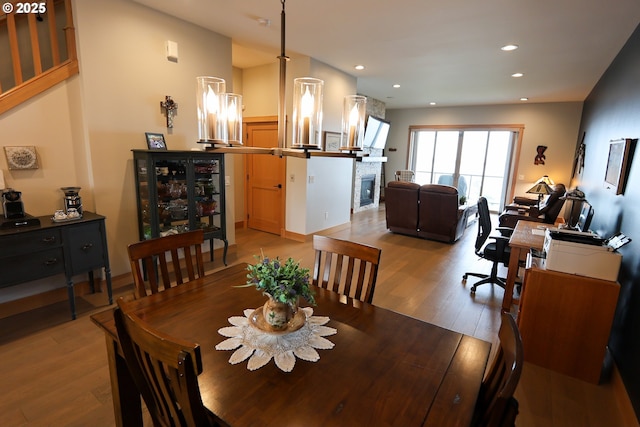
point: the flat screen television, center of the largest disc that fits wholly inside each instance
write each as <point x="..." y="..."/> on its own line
<point x="376" y="132"/>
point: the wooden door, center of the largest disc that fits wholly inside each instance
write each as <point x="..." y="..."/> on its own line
<point x="265" y="180"/>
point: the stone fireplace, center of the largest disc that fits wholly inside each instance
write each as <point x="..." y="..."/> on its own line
<point x="366" y="185"/>
<point x="367" y="189"/>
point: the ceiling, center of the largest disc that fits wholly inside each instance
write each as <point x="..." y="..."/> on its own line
<point x="442" y="51"/>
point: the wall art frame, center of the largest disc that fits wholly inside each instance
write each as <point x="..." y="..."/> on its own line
<point x="155" y="141"/>
<point x="25" y="157"/>
<point x="331" y="141"/>
<point x="618" y="163"/>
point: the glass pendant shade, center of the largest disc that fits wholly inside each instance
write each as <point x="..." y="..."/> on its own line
<point x="211" y="127"/>
<point x="231" y="114"/>
<point x="353" y="112"/>
<point x="307" y="113"/>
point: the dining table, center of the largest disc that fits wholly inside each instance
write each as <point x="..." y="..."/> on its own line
<point x="384" y="369"/>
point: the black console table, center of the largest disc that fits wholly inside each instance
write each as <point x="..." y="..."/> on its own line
<point x="71" y="247"/>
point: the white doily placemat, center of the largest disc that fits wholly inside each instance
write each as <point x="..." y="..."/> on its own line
<point x="260" y="347"/>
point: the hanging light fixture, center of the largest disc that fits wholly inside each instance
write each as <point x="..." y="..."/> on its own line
<point x="211" y="128"/>
<point x="353" y="111"/>
<point x="223" y="127"/>
<point x="307" y="113"/>
<point x="282" y="136"/>
<point x="231" y="105"/>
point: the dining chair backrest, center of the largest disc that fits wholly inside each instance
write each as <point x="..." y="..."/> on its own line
<point x="348" y="268"/>
<point x="149" y="256"/>
<point x="405" y="175"/>
<point x="165" y="370"/>
<point x="496" y="406"/>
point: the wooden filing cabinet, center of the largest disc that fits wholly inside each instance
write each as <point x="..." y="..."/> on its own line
<point x="73" y="247"/>
<point x="565" y="321"/>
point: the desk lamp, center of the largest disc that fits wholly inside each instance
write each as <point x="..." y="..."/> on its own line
<point x="540" y="188"/>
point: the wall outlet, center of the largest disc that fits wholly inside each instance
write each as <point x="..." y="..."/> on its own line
<point x="311" y="179"/>
<point x="292" y="178"/>
<point x="227" y="180"/>
<point x="326" y="216"/>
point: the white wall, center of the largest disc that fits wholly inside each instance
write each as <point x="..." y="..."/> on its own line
<point x="260" y="96"/>
<point x="554" y="125"/>
<point x="124" y="76"/>
<point x="319" y="197"/>
<point x="85" y="127"/>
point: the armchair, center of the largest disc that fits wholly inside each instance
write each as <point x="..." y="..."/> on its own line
<point x="547" y="212"/>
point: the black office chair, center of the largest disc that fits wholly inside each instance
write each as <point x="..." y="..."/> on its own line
<point x="496" y="251"/>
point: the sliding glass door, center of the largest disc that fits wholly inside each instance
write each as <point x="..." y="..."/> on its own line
<point x="477" y="162"/>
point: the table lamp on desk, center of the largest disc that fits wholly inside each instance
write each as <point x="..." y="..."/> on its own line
<point x="541" y="188"/>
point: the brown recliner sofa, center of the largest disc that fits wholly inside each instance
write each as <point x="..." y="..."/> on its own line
<point x="401" y="204"/>
<point x="548" y="213"/>
<point x="429" y="211"/>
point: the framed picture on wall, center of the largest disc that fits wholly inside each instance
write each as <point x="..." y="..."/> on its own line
<point x="618" y="162"/>
<point x="21" y="157"/>
<point x="331" y="141"/>
<point x="155" y="141"/>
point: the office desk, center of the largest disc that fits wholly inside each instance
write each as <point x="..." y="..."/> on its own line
<point x="385" y="369"/>
<point x="526" y="235"/>
<point x="570" y="338"/>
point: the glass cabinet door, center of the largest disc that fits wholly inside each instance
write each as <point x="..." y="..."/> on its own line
<point x="207" y="194"/>
<point x="145" y="215"/>
<point x="173" y="200"/>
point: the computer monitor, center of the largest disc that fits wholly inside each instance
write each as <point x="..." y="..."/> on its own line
<point x="586" y="214"/>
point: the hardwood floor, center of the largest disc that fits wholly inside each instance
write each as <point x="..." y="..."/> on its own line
<point x="54" y="371"/>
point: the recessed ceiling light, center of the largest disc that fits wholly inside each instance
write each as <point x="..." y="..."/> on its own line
<point x="524" y="98"/>
<point x="359" y="67"/>
<point x="509" y="47"/>
<point x="264" y="22"/>
<point x="517" y="75"/>
<point x="396" y="85"/>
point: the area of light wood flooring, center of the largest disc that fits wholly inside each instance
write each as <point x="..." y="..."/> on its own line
<point x="54" y="371"/>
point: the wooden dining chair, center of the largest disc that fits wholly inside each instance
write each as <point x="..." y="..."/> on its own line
<point x="345" y="267"/>
<point x="496" y="406"/>
<point x="149" y="256"/>
<point x="165" y="370"/>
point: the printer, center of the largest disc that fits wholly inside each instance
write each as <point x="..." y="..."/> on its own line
<point x="581" y="253"/>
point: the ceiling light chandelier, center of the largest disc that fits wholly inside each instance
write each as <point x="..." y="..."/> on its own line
<point x="220" y="115"/>
<point x="219" y="112"/>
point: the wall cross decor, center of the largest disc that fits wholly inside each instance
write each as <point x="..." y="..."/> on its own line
<point x="170" y="109"/>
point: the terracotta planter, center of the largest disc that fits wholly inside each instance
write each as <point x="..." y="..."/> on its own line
<point x="277" y="314"/>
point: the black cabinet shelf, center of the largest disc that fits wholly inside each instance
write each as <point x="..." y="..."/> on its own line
<point x="178" y="191"/>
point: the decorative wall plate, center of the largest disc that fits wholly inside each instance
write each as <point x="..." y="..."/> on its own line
<point x="21" y="157"/>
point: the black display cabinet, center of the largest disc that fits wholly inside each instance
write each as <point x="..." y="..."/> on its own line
<point x="179" y="191"/>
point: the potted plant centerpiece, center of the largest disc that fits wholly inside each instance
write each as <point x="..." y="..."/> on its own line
<point x="284" y="283"/>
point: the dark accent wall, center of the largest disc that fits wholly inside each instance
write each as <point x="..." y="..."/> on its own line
<point x="612" y="111"/>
